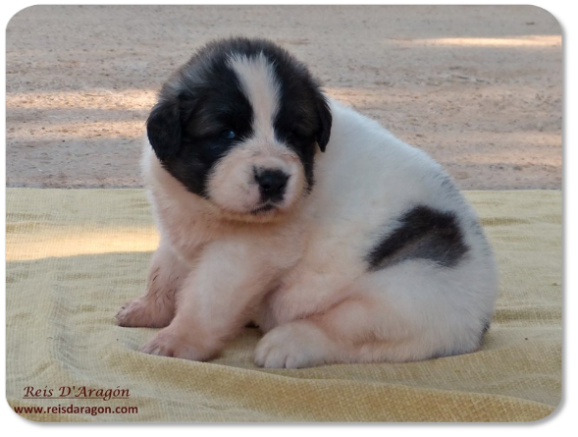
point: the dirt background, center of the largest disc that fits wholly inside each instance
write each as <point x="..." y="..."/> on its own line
<point x="479" y="88"/>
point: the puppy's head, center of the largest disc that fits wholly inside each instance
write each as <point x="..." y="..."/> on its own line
<point x="240" y="124"/>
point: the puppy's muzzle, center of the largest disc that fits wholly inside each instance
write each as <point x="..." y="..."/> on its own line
<point x="272" y="184"/>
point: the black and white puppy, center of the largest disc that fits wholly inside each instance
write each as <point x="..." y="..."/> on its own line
<point x="279" y="205"/>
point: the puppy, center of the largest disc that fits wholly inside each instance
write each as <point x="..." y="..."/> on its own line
<point x="278" y="205"/>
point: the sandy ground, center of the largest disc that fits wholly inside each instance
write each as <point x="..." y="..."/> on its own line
<point x="479" y="88"/>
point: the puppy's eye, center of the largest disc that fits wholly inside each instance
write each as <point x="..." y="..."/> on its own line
<point x="299" y="136"/>
<point x="229" y="134"/>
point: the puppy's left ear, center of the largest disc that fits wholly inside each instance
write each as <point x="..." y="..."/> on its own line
<point x="325" y="119"/>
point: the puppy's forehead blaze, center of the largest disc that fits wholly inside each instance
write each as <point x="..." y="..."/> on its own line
<point x="259" y="83"/>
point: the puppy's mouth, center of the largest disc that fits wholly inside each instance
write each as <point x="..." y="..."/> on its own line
<point x="269" y="206"/>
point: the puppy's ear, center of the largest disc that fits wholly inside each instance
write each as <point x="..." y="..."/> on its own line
<point x="164" y="129"/>
<point x="325" y="119"/>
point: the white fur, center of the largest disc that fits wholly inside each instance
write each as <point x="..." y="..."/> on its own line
<point x="302" y="275"/>
<point x="261" y="87"/>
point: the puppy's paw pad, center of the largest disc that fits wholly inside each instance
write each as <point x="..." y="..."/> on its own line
<point x="290" y="346"/>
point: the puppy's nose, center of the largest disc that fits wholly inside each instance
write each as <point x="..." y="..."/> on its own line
<point x="272" y="184"/>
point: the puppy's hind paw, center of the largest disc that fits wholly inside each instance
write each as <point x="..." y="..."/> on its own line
<point x="294" y="345"/>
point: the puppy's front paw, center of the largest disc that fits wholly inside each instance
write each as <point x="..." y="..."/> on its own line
<point x="294" y="345"/>
<point x="140" y="313"/>
<point x="172" y="343"/>
<point x="133" y="314"/>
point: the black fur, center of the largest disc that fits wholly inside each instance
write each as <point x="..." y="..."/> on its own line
<point x="203" y="101"/>
<point x="425" y="233"/>
<point x="164" y="129"/>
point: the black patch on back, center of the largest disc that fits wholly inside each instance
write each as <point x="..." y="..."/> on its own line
<point x="423" y="233"/>
<point x="203" y="100"/>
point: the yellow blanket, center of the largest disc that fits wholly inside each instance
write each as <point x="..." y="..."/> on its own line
<point x="74" y="256"/>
